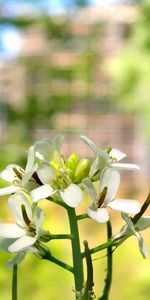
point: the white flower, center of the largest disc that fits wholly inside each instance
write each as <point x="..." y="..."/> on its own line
<point x="17" y="176"/>
<point x="133" y="229"/>
<point x="105" y="198"/>
<point x="45" y="148"/>
<point x="108" y="158"/>
<point x="27" y="230"/>
<point x="69" y="192"/>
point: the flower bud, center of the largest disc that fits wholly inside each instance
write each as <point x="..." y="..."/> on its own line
<point x="82" y="169"/>
<point x="70" y="173"/>
<point x="72" y="161"/>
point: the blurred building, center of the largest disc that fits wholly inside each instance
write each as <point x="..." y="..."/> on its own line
<point x="94" y="35"/>
<point x="63" y="62"/>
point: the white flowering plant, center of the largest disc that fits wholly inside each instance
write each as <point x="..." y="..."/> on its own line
<point x="63" y="181"/>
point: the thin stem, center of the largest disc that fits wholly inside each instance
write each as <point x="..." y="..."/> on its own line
<point x="61" y="237"/>
<point x="14" y="282"/>
<point x="108" y="278"/>
<point x="46" y="254"/>
<point x="106" y="245"/>
<point x="58" y="262"/>
<point x="83" y="216"/>
<point x="59" y="202"/>
<point x="76" y="252"/>
<point x="142" y="211"/>
<point x="88" y="294"/>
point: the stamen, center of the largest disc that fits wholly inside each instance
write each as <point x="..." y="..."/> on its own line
<point x="36" y="178"/>
<point x="18" y="173"/>
<point x="25" y="216"/>
<point x="108" y="150"/>
<point x="101" y="197"/>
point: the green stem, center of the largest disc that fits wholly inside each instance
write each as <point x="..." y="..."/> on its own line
<point x="108" y="278"/>
<point x="106" y="245"/>
<point x="46" y="254"/>
<point x="61" y="236"/>
<point x="83" y="216"/>
<point x="76" y="252"/>
<point x="88" y="293"/>
<point x="14" y="282"/>
<point x="58" y="262"/>
<point x="59" y="202"/>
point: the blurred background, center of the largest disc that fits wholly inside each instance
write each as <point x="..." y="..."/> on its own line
<point x="77" y="67"/>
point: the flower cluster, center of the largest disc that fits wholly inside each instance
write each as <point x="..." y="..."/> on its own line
<point x="49" y="175"/>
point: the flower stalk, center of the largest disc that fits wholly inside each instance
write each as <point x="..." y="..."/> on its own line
<point x="76" y="251"/>
<point x="108" y="278"/>
<point x="142" y="211"/>
<point x="14" y="282"/>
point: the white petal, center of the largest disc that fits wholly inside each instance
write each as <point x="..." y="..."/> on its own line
<point x="57" y="142"/>
<point x="89" y="143"/>
<point x="127" y="206"/>
<point x="27" y="176"/>
<point x="125" y="166"/>
<point x="110" y="179"/>
<point x="8" y="174"/>
<point x="38" y="217"/>
<point x="89" y="187"/>
<point x="42" y="192"/>
<point x="30" y="159"/>
<point x="98" y="166"/>
<point x="44" y="149"/>
<point x="9" y="190"/>
<point x="117" y="154"/>
<point x="8" y="230"/>
<point x="100" y="215"/>
<point x="143" y="223"/>
<point x="72" y="195"/>
<point x="22" y="243"/>
<point x="14" y="203"/>
<point x="142" y="246"/>
<point x="45" y="173"/>
<point x="17" y="259"/>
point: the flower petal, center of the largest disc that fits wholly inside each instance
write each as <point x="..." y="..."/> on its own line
<point x="38" y="217"/>
<point x="110" y="179"/>
<point x="8" y="174"/>
<point x="143" y="223"/>
<point x="89" y="187"/>
<point x="9" y="190"/>
<point x="27" y="176"/>
<point x="8" y="230"/>
<point x="142" y="246"/>
<point x="42" y="192"/>
<point x="72" y="195"/>
<point x="89" y="143"/>
<point x="17" y="259"/>
<point x="117" y="154"/>
<point x="100" y="215"/>
<point x="57" y="142"/>
<point x="100" y="152"/>
<point x="125" y="166"/>
<point x="44" y="149"/>
<point x="22" y="243"/>
<point x="98" y="166"/>
<point x="127" y="206"/>
<point x="15" y="203"/>
<point x="30" y="159"/>
<point x="45" y="173"/>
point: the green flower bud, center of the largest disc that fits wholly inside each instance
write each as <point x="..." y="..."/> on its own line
<point x="54" y="163"/>
<point x="82" y="169"/>
<point x="70" y="173"/>
<point x="72" y="161"/>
